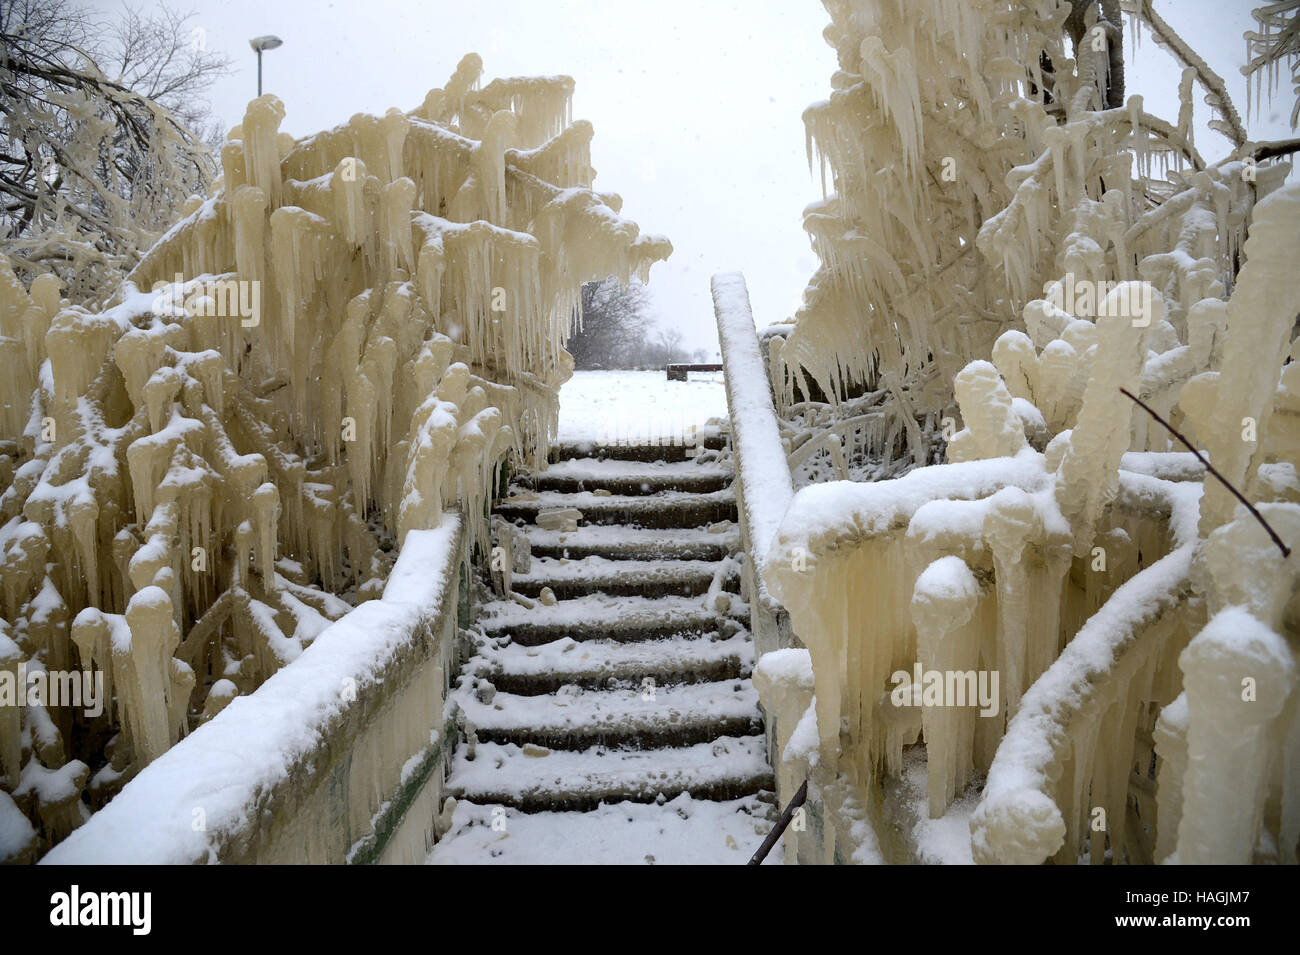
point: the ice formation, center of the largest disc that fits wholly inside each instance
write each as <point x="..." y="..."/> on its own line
<point x="350" y="336"/>
<point x="1005" y="243"/>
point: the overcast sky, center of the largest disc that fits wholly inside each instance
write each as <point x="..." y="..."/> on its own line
<point x="696" y="104"/>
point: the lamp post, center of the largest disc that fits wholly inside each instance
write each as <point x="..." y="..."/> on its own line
<point x="260" y="43"/>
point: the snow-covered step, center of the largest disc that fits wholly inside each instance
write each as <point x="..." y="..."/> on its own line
<point x="676" y="450"/>
<point x="647" y="578"/>
<point x="507" y="775"/>
<point x="664" y="509"/>
<point x="594" y="724"/>
<point x="544" y="669"/>
<point x="634" y="543"/>
<point x="627" y="477"/>
<point x="598" y="617"/>
<point x="574" y="718"/>
<point x="683" y="831"/>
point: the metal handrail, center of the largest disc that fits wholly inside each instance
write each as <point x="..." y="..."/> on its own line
<point x="781" y="824"/>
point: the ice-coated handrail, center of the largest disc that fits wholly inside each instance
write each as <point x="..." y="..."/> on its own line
<point x="762" y="469"/>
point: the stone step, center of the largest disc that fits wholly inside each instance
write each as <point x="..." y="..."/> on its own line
<point x="598" y="617"/>
<point x="640" y="717"/>
<point x="526" y="671"/>
<point x="675" y="449"/>
<point x="646" y="578"/>
<point x="503" y="774"/>
<point x="627" y="477"/>
<point x="683" y="831"/>
<point x="619" y="542"/>
<point x="664" y="509"/>
<point x="626" y="689"/>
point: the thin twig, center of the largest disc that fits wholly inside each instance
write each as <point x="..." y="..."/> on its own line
<point x="1286" y="551"/>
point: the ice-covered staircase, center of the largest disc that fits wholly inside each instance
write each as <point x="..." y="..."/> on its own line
<point x="613" y="720"/>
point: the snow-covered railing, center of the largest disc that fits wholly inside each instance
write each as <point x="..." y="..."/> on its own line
<point x="1072" y="777"/>
<point x="933" y="568"/>
<point x="844" y="563"/>
<point x="338" y="757"/>
<point x="764" y="488"/>
<point x="1049" y="778"/>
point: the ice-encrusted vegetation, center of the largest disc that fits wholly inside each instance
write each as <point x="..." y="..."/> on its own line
<point x="1006" y="241"/>
<point x="349" y="337"/>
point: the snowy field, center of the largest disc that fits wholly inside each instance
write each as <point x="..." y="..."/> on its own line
<point x="638" y="407"/>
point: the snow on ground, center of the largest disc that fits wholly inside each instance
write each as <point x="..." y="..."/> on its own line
<point x="944" y="841"/>
<point x="683" y="831"/>
<point x="638" y="407"/>
<point x="609" y="408"/>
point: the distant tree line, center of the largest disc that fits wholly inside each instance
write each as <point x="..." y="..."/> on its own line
<point x="619" y="331"/>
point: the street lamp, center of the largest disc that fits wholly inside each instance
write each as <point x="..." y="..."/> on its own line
<point x="260" y="43"/>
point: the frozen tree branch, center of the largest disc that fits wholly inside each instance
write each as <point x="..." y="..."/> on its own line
<point x="99" y="149"/>
<point x="1217" y="93"/>
<point x="1279" y="42"/>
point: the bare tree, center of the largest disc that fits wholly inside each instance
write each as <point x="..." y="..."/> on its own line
<point x="618" y="330"/>
<point x="615" y="325"/>
<point x="666" y="348"/>
<point x="164" y="58"/>
<point x="102" y="139"/>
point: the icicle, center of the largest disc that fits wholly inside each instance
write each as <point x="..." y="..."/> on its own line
<point x="347" y="185"/>
<point x="943" y="603"/>
<point x="393" y="127"/>
<point x="1171" y="746"/>
<point x="142" y="672"/>
<point x="1261" y="312"/>
<point x="1226" y="755"/>
<point x="992" y="428"/>
<point x="395" y="203"/>
<point x="284" y="386"/>
<point x="1088" y="476"/>
<point x="261" y="147"/>
<point x="1139" y="135"/>
<point x="266" y="507"/>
